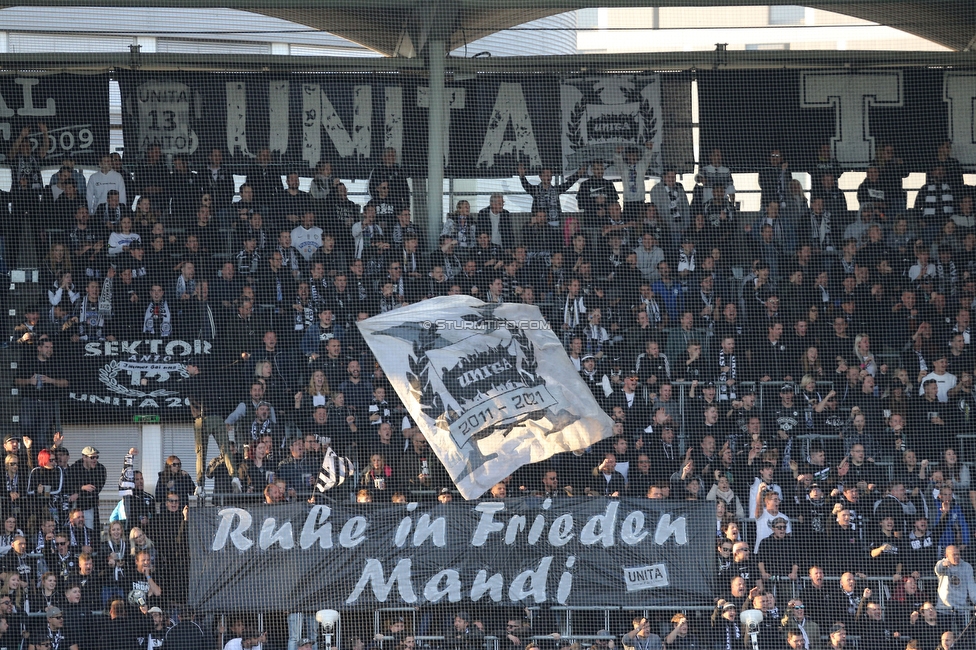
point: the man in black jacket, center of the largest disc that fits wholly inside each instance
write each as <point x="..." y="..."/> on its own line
<point x="87" y="478"/>
<point x="595" y="194"/>
<point x="392" y="174"/>
<point x="496" y="222"/>
<point x="186" y="634"/>
<point x="607" y="481"/>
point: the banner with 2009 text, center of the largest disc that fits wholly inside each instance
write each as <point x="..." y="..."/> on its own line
<point x="73" y="108"/>
<point x="527" y="552"/>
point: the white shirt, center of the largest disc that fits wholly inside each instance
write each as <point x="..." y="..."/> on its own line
<point x="99" y="186"/>
<point x="238" y="644"/>
<point x="496" y="230"/>
<point x="946" y="383"/>
<point x="306" y="240"/>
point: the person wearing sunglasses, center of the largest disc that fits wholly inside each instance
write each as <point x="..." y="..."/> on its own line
<point x="174" y="479"/>
<point x="777" y="553"/>
<point x="796" y="619"/>
<point x="54" y="634"/>
<point x="88" y="477"/>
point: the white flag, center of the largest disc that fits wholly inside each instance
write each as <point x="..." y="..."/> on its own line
<point x="489" y="385"/>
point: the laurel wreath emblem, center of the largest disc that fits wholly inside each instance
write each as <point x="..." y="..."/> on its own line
<point x="575" y="125"/>
<point x="107" y="375"/>
<point x="577" y="117"/>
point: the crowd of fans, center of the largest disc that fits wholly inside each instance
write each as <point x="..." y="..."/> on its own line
<point x="808" y="369"/>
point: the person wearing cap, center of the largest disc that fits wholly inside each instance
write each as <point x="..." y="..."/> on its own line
<point x="726" y="632"/>
<point x="769" y="502"/>
<point x="154" y="629"/>
<point x="945" y="380"/>
<point x="86" y="478"/>
<point x="54" y="631"/>
<point x="838" y="637"/>
<point x="784" y="415"/>
<point x="595" y="195"/>
<point x="639" y="638"/>
<point x="444" y="495"/>
<point x="796" y="620"/>
<point x="778" y="555"/>
<point x="463" y="635"/>
<point x="593" y="378"/>
<point x="627" y="397"/>
<point x="297" y="470"/>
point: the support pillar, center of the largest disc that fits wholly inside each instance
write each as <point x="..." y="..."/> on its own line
<point x="150" y="457"/>
<point x="436" y="56"/>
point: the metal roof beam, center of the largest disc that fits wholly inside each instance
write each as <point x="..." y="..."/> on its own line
<point x="731" y="60"/>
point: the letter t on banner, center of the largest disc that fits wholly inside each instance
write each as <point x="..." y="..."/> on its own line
<point x="852" y="96"/>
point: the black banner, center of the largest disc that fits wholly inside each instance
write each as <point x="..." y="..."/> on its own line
<point x="576" y="552"/>
<point x="747" y="114"/>
<point x="125" y="378"/>
<point x="494" y="122"/>
<point x="74" y="108"/>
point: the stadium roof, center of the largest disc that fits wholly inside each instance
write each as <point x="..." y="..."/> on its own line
<point x="403" y="27"/>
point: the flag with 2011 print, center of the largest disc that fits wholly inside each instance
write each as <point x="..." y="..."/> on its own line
<point x="489" y="385"/>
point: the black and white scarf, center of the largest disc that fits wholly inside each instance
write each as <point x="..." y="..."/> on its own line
<point x="820" y="229"/>
<point x="316" y="292"/>
<point x="652" y="309"/>
<point x="158" y="319"/>
<point x="727" y="392"/>
<point x="335" y="470"/>
<point x="572" y="311"/>
<point x="948" y="277"/>
<point x="304" y="318"/>
<point x="733" y="636"/>
<point x="90" y="319"/>
<point x="81" y="538"/>
<point x="708" y="299"/>
<point x="258" y="432"/>
<point x="119" y="558"/>
<point x="12" y="482"/>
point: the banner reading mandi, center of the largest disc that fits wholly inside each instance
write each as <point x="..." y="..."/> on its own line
<point x="490" y="386"/>
<point x="578" y="552"/>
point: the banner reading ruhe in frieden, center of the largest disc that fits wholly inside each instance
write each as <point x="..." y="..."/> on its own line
<point x="527" y="552"/>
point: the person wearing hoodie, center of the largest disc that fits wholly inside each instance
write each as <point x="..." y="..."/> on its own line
<point x="957" y="588"/>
